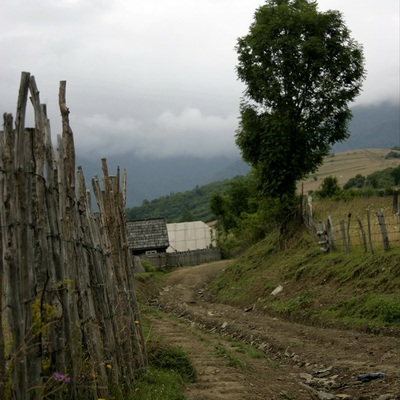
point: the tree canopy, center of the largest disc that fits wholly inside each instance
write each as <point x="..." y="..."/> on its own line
<point x="301" y="69"/>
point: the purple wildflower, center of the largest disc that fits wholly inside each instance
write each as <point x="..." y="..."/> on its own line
<point x="60" y="377"/>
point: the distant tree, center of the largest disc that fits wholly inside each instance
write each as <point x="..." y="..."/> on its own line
<point x="187" y="216"/>
<point x="329" y="188"/>
<point x="393" y="154"/>
<point x="301" y="69"/>
<point x="357" y="182"/>
<point x="235" y="200"/>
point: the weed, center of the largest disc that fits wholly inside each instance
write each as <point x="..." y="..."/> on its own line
<point x="221" y="351"/>
<point x="248" y="349"/>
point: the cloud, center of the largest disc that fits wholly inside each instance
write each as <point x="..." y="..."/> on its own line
<point x="189" y="133"/>
<point x="194" y="133"/>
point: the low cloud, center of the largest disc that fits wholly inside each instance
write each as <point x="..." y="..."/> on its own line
<point x="188" y="133"/>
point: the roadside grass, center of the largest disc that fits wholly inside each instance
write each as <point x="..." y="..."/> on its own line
<point x="170" y="368"/>
<point x="358" y="290"/>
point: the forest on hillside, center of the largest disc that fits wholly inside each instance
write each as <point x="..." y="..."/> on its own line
<point x="192" y="205"/>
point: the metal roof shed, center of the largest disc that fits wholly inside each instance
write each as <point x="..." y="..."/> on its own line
<point x="147" y="236"/>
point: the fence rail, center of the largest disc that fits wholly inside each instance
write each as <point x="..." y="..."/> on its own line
<point x="370" y="231"/>
<point x="70" y="324"/>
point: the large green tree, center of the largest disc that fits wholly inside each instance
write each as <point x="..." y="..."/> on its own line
<point x="302" y="69"/>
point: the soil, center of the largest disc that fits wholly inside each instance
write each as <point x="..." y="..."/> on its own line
<point x="300" y="362"/>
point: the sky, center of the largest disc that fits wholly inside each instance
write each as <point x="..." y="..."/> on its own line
<point x="156" y="78"/>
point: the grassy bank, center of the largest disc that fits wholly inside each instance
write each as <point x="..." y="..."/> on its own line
<point x="356" y="290"/>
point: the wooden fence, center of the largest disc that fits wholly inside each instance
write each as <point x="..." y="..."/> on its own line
<point x="371" y="232"/>
<point x="70" y="325"/>
<point x="183" y="258"/>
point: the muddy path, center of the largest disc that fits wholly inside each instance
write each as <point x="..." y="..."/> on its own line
<point x="299" y="362"/>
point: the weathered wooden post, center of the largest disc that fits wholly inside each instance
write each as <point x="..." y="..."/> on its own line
<point x="344" y="238"/>
<point x="2" y="348"/>
<point x="382" y="225"/>
<point x="364" y="239"/>
<point x="348" y="230"/>
<point x="330" y="233"/>
<point x="369" y="231"/>
<point x="323" y="240"/>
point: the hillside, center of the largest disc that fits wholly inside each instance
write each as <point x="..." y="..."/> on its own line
<point x="192" y="205"/>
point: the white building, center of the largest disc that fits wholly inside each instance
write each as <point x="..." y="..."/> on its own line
<point x="186" y="236"/>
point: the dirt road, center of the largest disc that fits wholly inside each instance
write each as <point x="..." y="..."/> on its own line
<point x="298" y="362"/>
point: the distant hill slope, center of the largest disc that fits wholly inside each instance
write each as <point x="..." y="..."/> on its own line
<point x="348" y="164"/>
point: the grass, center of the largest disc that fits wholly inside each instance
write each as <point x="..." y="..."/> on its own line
<point x="159" y="384"/>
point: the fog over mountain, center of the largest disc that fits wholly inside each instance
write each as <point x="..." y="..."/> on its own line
<point x="149" y="177"/>
<point x="374" y="126"/>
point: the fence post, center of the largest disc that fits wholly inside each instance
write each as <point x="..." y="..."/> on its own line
<point x="362" y="233"/>
<point x="382" y="225"/>
<point x="323" y="240"/>
<point x="369" y="231"/>
<point x="2" y="349"/>
<point x="330" y="233"/>
<point x="344" y="238"/>
<point x="348" y="230"/>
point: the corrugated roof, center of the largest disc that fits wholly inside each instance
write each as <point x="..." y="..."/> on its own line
<point x="147" y="234"/>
